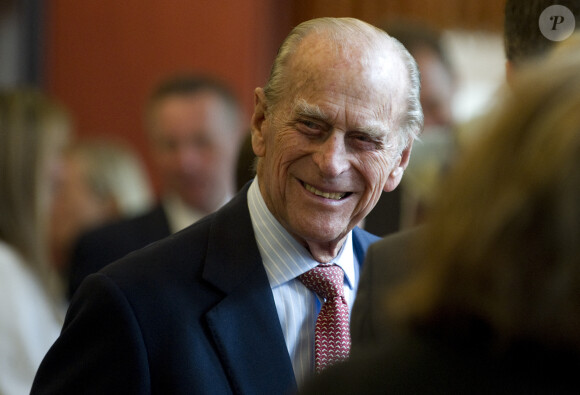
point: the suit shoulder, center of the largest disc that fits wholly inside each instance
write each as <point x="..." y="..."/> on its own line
<point x="154" y="217"/>
<point x="184" y="248"/>
<point x="402" y="240"/>
<point x="395" y="256"/>
<point x="123" y="236"/>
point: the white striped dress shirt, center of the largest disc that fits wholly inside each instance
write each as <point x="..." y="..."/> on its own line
<point x="285" y="259"/>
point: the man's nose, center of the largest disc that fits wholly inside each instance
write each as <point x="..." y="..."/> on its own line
<point x="187" y="157"/>
<point x="331" y="156"/>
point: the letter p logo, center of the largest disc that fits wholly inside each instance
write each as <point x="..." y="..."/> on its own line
<point x="557" y="23"/>
<point x="558" y="19"/>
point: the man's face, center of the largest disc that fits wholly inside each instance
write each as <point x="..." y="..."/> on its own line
<point x="194" y="147"/>
<point x="328" y="149"/>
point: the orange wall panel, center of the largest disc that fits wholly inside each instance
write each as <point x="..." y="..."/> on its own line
<point x="104" y="56"/>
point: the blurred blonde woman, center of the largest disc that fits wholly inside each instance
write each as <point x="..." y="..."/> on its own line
<point x="33" y="131"/>
<point x="103" y="180"/>
<point x="494" y="306"/>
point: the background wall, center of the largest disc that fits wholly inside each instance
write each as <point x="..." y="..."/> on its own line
<point x="443" y="14"/>
<point x="104" y="56"/>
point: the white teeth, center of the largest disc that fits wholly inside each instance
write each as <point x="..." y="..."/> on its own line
<point x="334" y="196"/>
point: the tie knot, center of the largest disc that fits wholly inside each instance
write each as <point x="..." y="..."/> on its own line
<point x="326" y="280"/>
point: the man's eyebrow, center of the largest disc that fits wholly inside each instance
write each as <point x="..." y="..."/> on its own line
<point x="305" y="109"/>
<point x="375" y="130"/>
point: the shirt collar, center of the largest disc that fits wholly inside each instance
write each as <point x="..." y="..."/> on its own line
<point x="283" y="257"/>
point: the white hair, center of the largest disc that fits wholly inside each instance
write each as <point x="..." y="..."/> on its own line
<point x="341" y="31"/>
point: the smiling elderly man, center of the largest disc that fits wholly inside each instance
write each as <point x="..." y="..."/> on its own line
<point x="230" y="305"/>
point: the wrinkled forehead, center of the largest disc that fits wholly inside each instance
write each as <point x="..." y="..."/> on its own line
<point x="356" y="51"/>
<point x="373" y="72"/>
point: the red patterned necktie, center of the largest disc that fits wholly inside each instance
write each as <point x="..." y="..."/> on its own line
<point x="332" y="335"/>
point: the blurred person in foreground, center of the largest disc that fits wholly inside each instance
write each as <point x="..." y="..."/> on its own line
<point x="388" y="261"/>
<point x="493" y="305"/>
<point x="195" y="127"/>
<point x="103" y="180"/>
<point x="220" y="307"/>
<point x="33" y="131"/>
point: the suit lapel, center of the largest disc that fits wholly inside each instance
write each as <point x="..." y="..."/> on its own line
<point x="361" y="240"/>
<point x="245" y="323"/>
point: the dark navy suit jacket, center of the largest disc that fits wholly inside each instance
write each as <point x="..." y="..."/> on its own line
<point x="190" y="314"/>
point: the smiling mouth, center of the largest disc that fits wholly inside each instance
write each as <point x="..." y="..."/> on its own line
<point x="327" y="195"/>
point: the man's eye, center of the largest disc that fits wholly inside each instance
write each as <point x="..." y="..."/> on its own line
<point x="309" y="128"/>
<point x="310" y="124"/>
<point x="167" y="145"/>
<point x="365" y="141"/>
<point x="363" y="138"/>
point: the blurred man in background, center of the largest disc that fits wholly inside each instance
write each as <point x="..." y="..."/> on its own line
<point x="195" y="127"/>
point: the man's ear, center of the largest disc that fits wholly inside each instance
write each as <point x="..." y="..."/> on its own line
<point x="396" y="173"/>
<point x="257" y="123"/>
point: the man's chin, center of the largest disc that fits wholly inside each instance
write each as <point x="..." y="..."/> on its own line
<point x="323" y="233"/>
